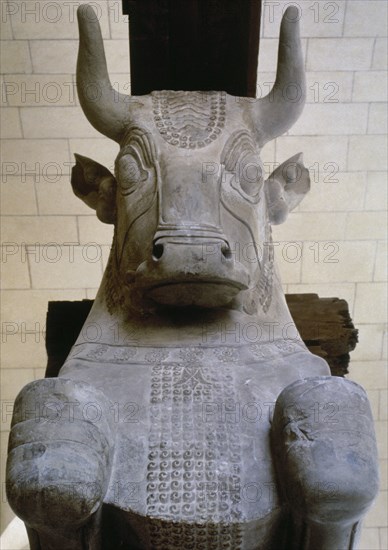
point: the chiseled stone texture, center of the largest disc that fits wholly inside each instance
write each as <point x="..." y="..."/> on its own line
<point x="10" y="123"/>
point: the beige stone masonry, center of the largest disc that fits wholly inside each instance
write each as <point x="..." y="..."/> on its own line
<point x="366" y="18"/>
<point x="32" y="230"/>
<point x="339" y="54"/>
<point x="370" y="344"/>
<point x="24" y="157"/>
<point x="326" y="226"/>
<point x="378" y="118"/>
<point x="14" y="266"/>
<point x="55" y="197"/>
<point x="336" y="191"/>
<point x="38" y="90"/>
<point x="18" y="198"/>
<point x="118" y="22"/>
<point x="339" y="262"/>
<point x="54" y="56"/>
<point x="318" y="151"/>
<point x="65" y="121"/>
<point x="371" y="296"/>
<point x="366" y="225"/>
<point x="376" y="191"/>
<point x="69" y="266"/>
<point x="47" y="20"/>
<point x="370" y="87"/>
<point x="15" y="57"/>
<point x="329" y="86"/>
<point x="368" y="152"/>
<point x="380" y="54"/>
<point x="10" y="123"/>
<point x="380" y="273"/>
<point x="92" y="230"/>
<point x="332" y="119"/>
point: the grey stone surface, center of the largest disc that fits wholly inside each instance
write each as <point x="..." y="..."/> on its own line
<point x="324" y="449"/>
<point x="156" y="434"/>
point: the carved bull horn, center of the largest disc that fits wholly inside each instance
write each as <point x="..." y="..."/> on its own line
<point x="278" y="111"/>
<point x="106" y="109"/>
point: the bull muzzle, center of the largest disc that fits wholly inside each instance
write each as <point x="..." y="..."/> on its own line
<point x="187" y="269"/>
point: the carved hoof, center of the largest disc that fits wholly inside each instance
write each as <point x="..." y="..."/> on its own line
<point x="59" y="453"/>
<point x="325" y="447"/>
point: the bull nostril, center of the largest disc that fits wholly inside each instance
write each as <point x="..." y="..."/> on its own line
<point x="157" y="251"/>
<point x="226" y="252"/>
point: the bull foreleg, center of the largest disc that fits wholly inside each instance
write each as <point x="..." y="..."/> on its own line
<point x="326" y="460"/>
<point x="59" y="462"/>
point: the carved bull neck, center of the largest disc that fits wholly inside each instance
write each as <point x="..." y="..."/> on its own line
<point x="227" y="326"/>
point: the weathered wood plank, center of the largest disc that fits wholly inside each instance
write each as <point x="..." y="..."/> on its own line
<point x="325" y="327"/>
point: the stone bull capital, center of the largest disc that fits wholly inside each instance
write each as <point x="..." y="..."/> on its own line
<point x="152" y="436"/>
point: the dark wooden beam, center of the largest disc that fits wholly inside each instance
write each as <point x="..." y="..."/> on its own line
<point x="194" y="45"/>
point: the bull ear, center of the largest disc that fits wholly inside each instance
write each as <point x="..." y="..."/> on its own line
<point x="96" y="186"/>
<point x="285" y="188"/>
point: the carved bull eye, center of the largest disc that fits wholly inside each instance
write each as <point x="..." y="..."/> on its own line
<point x="250" y="175"/>
<point x="130" y="172"/>
<point x="240" y="158"/>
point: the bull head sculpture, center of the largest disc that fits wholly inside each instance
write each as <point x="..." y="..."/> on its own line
<point x="189" y="183"/>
